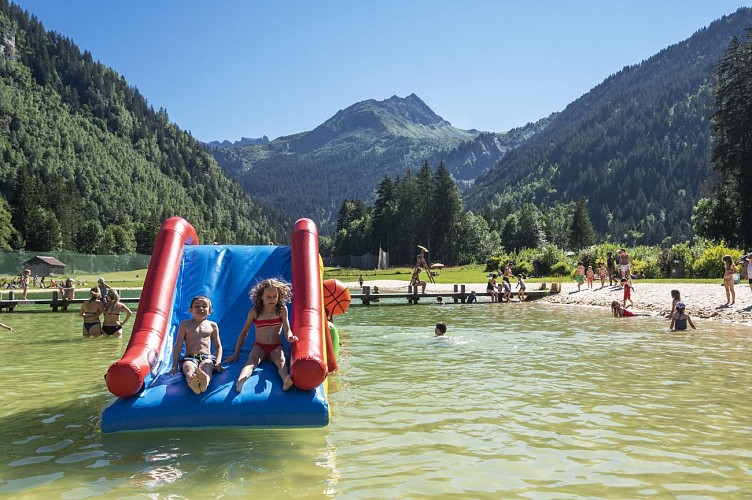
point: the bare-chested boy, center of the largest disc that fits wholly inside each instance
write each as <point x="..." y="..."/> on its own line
<point x="198" y="334"/>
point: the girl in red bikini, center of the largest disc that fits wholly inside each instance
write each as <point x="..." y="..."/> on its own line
<point x="269" y="314"/>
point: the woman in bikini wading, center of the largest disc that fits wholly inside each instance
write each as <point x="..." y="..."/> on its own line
<point x="112" y="309"/>
<point x="91" y="311"/>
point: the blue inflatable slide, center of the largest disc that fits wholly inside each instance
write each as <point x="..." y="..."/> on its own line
<point x="153" y="399"/>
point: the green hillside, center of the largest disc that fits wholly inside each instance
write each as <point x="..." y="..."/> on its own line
<point x="637" y="146"/>
<point x="88" y="165"/>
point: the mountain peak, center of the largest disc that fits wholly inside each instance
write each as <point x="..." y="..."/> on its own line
<point x="395" y="117"/>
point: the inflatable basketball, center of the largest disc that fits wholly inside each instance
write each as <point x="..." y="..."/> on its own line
<point x="336" y="297"/>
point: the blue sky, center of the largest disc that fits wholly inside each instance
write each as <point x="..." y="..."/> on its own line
<point x="249" y="68"/>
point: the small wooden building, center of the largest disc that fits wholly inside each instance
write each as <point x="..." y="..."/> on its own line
<point x="44" y="266"/>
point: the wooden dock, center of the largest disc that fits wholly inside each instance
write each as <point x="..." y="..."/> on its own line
<point x="413" y="296"/>
<point x="458" y="296"/>
<point x="55" y="302"/>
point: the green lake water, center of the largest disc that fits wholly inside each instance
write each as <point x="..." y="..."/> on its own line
<point x="517" y="401"/>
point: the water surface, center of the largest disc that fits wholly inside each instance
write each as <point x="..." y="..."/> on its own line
<point x="517" y="401"/>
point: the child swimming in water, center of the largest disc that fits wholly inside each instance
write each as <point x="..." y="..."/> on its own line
<point x="269" y="314"/>
<point x="440" y="329"/>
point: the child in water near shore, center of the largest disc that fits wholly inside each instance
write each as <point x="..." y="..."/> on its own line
<point x="680" y="319"/>
<point x="620" y="312"/>
<point x="675" y="297"/>
<point x="198" y="333"/>
<point x="269" y="314"/>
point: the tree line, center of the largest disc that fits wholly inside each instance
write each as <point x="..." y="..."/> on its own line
<point x="426" y="209"/>
<point x="728" y="214"/>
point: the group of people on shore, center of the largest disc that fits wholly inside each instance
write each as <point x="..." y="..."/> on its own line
<point x="502" y="292"/>
<point x="616" y="269"/>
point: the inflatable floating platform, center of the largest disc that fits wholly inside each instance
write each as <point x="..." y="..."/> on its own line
<point x="149" y="398"/>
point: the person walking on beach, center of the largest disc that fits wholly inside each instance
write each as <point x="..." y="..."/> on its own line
<point x="589" y="275"/>
<point x="611" y="268"/>
<point x="749" y="269"/>
<point x="360" y="281"/>
<point x="602" y="274"/>
<point x="624" y="265"/>
<point x="728" y="279"/>
<point x="627" y="292"/>
<point x="579" y="275"/>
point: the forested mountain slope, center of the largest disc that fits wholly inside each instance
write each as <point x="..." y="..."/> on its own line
<point x="637" y="146"/>
<point x="88" y="165"/>
<point x="472" y="158"/>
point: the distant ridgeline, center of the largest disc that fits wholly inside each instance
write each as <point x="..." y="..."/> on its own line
<point x="88" y="165"/>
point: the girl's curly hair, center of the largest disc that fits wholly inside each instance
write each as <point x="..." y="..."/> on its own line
<point x="257" y="293"/>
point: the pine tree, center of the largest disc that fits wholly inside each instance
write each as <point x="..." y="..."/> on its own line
<point x="446" y="215"/>
<point x="581" y="233"/>
<point x="732" y="133"/>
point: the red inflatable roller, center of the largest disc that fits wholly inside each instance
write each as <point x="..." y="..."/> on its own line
<point x="126" y="376"/>
<point x="308" y="367"/>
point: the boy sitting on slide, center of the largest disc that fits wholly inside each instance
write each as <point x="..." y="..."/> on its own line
<point x="198" y="333"/>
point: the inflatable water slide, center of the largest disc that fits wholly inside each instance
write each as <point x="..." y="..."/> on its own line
<point x="149" y="398"/>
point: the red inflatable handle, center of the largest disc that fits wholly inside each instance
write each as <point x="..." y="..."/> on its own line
<point x="308" y="367"/>
<point x="126" y="376"/>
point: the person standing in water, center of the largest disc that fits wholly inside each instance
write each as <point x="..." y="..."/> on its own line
<point x="91" y="311"/>
<point x="680" y="319"/>
<point x="112" y="309"/>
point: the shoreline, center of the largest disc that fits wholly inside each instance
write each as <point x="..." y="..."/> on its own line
<point x="704" y="301"/>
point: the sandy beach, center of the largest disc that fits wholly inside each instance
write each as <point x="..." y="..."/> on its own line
<point x="705" y="301"/>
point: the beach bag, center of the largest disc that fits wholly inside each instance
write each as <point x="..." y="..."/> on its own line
<point x="737" y="279"/>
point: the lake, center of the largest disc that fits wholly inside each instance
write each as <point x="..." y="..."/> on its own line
<point x="517" y="401"/>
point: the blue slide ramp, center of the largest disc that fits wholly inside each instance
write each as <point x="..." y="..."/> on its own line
<point x="225" y="274"/>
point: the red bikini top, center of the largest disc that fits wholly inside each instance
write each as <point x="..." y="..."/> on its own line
<point x="263" y="323"/>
